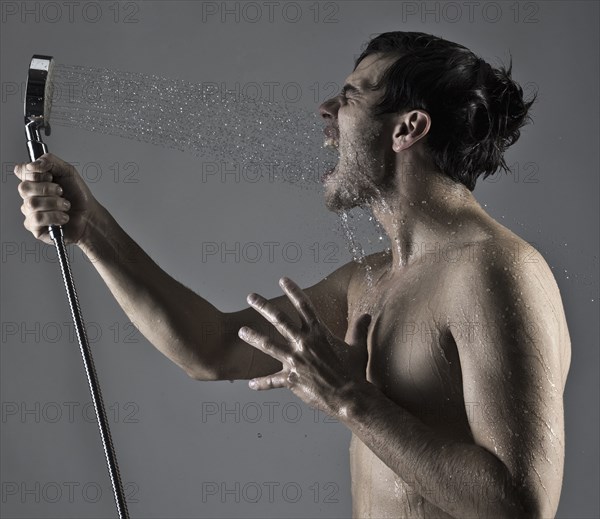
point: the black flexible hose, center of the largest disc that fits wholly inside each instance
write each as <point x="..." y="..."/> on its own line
<point x="36" y="148"/>
<point x="88" y="362"/>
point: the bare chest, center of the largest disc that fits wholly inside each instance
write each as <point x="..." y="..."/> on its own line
<point x="412" y="356"/>
<point x="414" y="361"/>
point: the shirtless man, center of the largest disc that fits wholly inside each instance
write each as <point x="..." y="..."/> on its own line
<point x="446" y="357"/>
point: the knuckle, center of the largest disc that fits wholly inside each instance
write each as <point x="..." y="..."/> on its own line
<point x="34" y="203"/>
<point x="37" y="218"/>
<point x="24" y="188"/>
<point x="306" y="308"/>
<point x="279" y="316"/>
<point x="48" y="188"/>
<point x="68" y="170"/>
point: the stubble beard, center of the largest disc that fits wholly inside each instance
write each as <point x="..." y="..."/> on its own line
<point x="356" y="179"/>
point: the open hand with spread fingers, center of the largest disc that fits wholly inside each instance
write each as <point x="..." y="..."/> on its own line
<point x="318" y="367"/>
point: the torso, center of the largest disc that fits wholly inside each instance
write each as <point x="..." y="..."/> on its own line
<point x="414" y="360"/>
<point x="415" y="363"/>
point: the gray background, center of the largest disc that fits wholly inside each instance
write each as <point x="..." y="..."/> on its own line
<point x="173" y="451"/>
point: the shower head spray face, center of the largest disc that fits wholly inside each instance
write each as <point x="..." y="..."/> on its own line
<point x="38" y="100"/>
<point x="38" y="94"/>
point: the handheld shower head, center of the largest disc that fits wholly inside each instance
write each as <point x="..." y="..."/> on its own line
<point x="38" y="102"/>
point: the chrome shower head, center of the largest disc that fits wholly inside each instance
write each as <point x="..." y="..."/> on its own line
<point x="38" y="102"/>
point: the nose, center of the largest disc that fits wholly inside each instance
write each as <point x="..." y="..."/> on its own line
<point x="329" y="109"/>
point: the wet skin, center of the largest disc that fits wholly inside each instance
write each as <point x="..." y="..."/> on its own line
<point x="459" y="412"/>
<point x="472" y="387"/>
<point x="446" y="357"/>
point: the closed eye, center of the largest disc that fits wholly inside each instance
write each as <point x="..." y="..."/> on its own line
<point x="348" y="89"/>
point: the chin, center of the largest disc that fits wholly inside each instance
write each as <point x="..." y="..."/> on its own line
<point x="344" y="191"/>
<point x="337" y="204"/>
<point x="342" y="197"/>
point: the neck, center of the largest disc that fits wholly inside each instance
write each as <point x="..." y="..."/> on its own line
<point x="422" y="212"/>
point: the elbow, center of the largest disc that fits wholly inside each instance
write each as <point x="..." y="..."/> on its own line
<point x="201" y="373"/>
<point x="519" y="510"/>
<point x="527" y="512"/>
<point x="522" y="503"/>
<point x="533" y="509"/>
<point x="198" y="366"/>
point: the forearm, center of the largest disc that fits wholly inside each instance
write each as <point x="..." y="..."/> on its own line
<point x="167" y="313"/>
<point x="463" y="479"/>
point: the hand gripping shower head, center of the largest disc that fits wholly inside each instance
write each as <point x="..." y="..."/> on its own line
<point x="38" y="100"/>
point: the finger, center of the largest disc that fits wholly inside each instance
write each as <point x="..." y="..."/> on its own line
<point x="274" y="315"/>
<point x="59" y="167"/>
<point x="47" y="163"/>
<point x="24" y="174"/>
<point x="300" y="300"/>
<point x="263" y="343"/>
<point x="39" y="221"/>
<point x="40" y="165"/>
<point x="275" y="381"/>
<point x="28" y="188"/>
<point x="44" y="203"/>
<point x="359" y="331"/>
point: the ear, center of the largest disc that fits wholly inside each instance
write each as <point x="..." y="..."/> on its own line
<point x="410" y="127"/>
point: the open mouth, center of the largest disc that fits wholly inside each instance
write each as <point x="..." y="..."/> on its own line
<point x="332" y="144"/>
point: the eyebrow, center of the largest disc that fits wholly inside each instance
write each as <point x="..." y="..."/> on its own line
<point x="350" y="88"/>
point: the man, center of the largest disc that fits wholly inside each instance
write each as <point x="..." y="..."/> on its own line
<point x="447" y="357"/>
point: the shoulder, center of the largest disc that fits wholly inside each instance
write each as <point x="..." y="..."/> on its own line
<point x="506" y="267"/>
<point x="344" y="280"/>
<point x="509" y="292"/>
<point x="503" y="265"/>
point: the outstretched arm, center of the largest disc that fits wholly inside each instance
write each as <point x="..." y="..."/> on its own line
<point x="182" y="325"/>
<point x="185" y="327"/>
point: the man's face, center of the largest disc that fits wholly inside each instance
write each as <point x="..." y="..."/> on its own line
<point x="365" y="140"/>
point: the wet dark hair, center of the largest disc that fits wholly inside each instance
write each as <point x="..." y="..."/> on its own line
<point x="476" y="110"/>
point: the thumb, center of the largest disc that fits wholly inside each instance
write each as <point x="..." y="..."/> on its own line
<point x="359" y="332"/>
